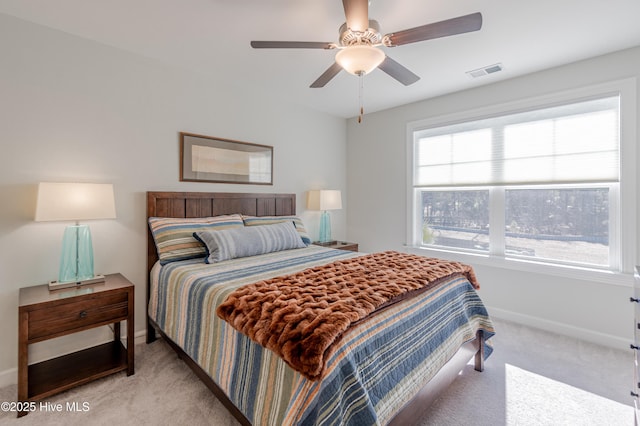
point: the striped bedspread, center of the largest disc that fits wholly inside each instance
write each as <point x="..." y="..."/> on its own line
<point x="381" y="364"/>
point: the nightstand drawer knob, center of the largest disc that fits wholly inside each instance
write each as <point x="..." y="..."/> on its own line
<point x="83" y="314"/>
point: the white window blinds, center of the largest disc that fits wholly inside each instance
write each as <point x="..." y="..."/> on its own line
<point x="570" y="143"/>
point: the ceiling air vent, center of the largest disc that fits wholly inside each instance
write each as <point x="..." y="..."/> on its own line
<point x="490" y="69"/>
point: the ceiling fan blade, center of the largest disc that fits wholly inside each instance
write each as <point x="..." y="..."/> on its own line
<point x="459" y="25"/>
<point x="357" y="14"/>
<point x="326" y="76"/>
<point x="292" y="45"/>
<point x="397" y="71"/>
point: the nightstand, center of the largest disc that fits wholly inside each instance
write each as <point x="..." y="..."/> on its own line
<point x="340" y="245"/>
<point x="45" y="314"/>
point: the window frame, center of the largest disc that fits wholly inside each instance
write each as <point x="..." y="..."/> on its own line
<point x="622" y="211"/>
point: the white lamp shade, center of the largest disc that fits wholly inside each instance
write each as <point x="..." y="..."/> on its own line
<point x="326" y="199"/>
<point x="75" y="201"/>
<point x="360" y="59"/>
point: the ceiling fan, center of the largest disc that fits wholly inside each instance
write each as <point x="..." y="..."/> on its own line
<point x="360" y="40"/>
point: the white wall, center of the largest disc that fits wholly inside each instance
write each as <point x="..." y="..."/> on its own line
<point x="75" y="110"/>
<point x="377" y="203"/>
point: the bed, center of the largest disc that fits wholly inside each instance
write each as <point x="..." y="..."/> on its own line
<point x="367" y="379"/>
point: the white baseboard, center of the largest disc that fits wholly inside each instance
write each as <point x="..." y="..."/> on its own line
<point x="10" y="377"/>
<point x="608" y="340"/>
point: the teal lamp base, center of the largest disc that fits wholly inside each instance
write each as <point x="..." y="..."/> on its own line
<point x="325" y="227"/>
<point x="76" y="262"/>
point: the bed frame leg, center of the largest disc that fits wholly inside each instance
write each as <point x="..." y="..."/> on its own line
<point x="151" y="332"/>
<point x="479" y="359"/>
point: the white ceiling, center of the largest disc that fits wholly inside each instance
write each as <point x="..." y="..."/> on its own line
<point x="212" y="37"/>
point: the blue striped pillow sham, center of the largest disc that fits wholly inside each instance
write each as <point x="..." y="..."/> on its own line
<point x="249" y="241"/>
<point x="174" y="236"/>
<point x="269" y="220"/>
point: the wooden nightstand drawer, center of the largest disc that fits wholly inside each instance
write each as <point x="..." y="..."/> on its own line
<point x="339" y="245"/>
<point x="73" y="316"/>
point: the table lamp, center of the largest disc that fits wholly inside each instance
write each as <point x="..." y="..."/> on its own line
<point x="324" y="200"/>
<point x="75" y="202"/>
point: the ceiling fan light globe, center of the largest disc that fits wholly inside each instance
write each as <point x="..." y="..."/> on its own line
<point x="360" y="59"/>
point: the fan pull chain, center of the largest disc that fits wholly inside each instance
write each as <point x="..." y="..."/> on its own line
<point x="361" y="95"/>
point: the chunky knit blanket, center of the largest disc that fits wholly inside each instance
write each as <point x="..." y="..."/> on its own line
<point x="302" y="316"/>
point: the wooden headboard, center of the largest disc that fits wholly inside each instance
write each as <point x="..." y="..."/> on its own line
<point x="204" y="204"/>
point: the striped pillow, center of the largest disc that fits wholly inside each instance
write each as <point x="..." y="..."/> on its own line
<point x="269" y="220"/>
<point x="174" y="236"/>
<point x="249" y="241"/>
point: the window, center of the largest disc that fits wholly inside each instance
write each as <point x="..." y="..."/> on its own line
<point x="561" y="224"/>
<point x="456" y="218"/>
<point x="540" y="183"/>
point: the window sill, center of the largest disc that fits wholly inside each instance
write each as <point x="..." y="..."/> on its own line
<point x="522" y="265"/>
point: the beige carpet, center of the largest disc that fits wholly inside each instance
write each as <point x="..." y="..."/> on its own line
<point x="163" y="391"/>
<point x="533" y="378"/>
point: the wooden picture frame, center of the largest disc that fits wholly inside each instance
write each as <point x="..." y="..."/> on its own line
<point x="210" y="159"/>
